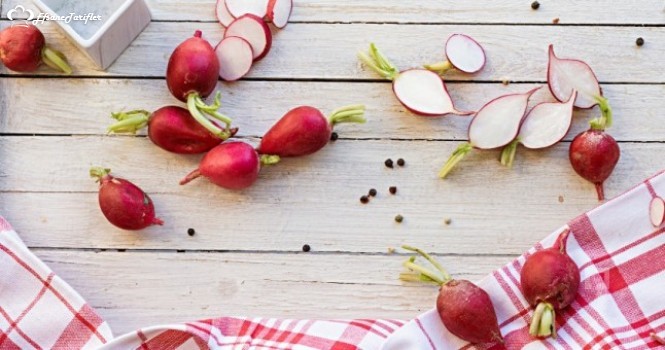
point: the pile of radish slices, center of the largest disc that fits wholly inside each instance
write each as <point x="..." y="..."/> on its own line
<point x="247" y="37"/>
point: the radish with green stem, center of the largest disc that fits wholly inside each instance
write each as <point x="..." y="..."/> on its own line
<point x="495" y="125"/>
<point x="305" y="130"/>
<point x="463" y="53"/>
<point x="23" y="49"/>
<point x="465" y="309"/>
<point x="657" y="211"/>
<point x="419" y="90"/>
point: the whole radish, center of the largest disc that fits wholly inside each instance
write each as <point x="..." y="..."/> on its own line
<point x="23" y="49"/>
<point x="305" y="130"/>
<point x="232" y="165"/>
<point x="191" y="76"/>
<point x="549" y="280"/>
<point x="465" y="309"/>
<point x="124" y="204"/>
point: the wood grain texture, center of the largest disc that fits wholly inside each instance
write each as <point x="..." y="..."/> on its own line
<point x="328" y="51"/>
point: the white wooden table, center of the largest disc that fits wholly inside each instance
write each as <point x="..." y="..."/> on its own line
<point x="246" y="258"/>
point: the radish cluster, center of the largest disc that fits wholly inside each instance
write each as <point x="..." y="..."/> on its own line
<point x="23" y="49"/>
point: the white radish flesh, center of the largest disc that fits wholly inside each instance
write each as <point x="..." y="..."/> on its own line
<point x="255" y="31"/>
<point x="423" y="92"/>
<point x="567" y="75"/>
<point x="546" y="124"/>
<point x="465" y="54"/>
<point x="498" y="122"/>
<point x="279" y="12"/>
<point x="223" y="16"/>
<point x="657" y="211"/>
<point x="239" y="8"/>
<point x="235" y="58"/>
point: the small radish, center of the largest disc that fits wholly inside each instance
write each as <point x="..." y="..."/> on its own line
<point x="463" y="53"/>
<point x="222" y="13"/>
<point x="657" y="211"/>
<point x="305" y="130"/>
<point x="235" y="58"/>
<point x="123" y="203"/>
<point x="23" y="49"/>
<point x="255" y="31"/>
<point x="232" y="165"/>
<point x="171" y="128"/>
<point x="421" y="91"/>
<point x="545" y="125"/>
<point x="191" y="76"/>
<point x="279" y="12"/>
<point x="549" y="280"/>
<point x="564" y="76"/>
<point x="239" y="8"/>
<point x="495" y="125"/>
<point x="465" y="309"/>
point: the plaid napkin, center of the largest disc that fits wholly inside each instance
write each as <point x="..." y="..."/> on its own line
<point x="620" y="303"/>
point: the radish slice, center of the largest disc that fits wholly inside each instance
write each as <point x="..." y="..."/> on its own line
<point x="235" y="58"/>
<point x="279" y="12"/>
<point x="255" y="31"/>
<point x="223" y="15"/>
<point x="547" y="123"/>
<point x="657" y="211"/>
<point x="465" y="54"/>
<point x="567" y="75"/>
<point x="239" y="8"/>
<point x="423" y="93"/>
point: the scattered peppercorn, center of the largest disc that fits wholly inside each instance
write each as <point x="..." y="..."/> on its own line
<point x="392" y="189"/>
<point x="401" y="162"/>
<point x="334" y="136"/>
<point x="639" y="41"/>
<point x="505" y="81"/>
<point x="448" y="221"/>
<point x="372" y="192"/>
<point x="191" y="232"/>
<point x="556" y="20"/>
<point x="306" y="248"/>
<point x="535" y="5"/>
<point x="399" y="218"/>
<point x="389" y="163"/>
<point x="364" y="199"/>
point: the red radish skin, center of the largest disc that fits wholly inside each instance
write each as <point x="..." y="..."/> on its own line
<point x="171" y="128"/>
<point x="305" y="130"/>
<point x="23" y="49"/>
<point x="465" y="309"/>
<point x="124" y="204"/>
<point x="549" y="280"/>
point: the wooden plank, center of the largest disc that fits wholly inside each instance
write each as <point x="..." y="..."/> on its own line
<point x="328" y="51"/>
<point x="29" y="110"/>
<point x="310" y="200"/>
<point x="133" y="290"/>
<point x="432" y="11"/>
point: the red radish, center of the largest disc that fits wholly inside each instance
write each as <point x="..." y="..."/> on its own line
<point x="279" y="12"/>
<point x="235" y="58"/>
<point x="495" y="125"/>
<point x="305" y="130"/>
<point x="223" y="15"/>
<point x="657" y="211"/>
<point x="123" y="203"/>
<point x="464" y="308"/>
<point x="23" y="49"/>
<point x="564" y="76"/>
<point x="191" y="76"/>
<point x="545" y="125"/>
<point x="420" y="91"/>
<point x="239" y="8"/>
<point x="171" y="128"/>
<point x="232" y="165"/>
<point x="463" y="53"/>
<point x="549" y="280"/>
<point x="255" y="31"/>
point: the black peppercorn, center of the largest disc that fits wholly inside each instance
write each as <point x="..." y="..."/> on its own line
<point x="392" y="189"/>
<point x="191" y="232"/>
<point x="401" y="162"/>
<point x="639" y="41"/>
<point x="389" y="163"/>
<point x="399" y="218"/>
<point x="535" y="5"/>
<point x="372" y="192"/>
<point x="364" y="199"/>
<point x="306" y="248"/>
<point x="334" y="136"/>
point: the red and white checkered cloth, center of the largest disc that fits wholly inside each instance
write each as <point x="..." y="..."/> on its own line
<point x="619" y="305"/>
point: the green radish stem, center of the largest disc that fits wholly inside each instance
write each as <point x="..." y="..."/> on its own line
<point x="605" y="119"/>
<point x="348" y="114"/>
<point x="129" y="122"/>
<point x="201" y="111"/>
<point x="508" y="153"/>
<point x="420" y="273"/>
<point x="461" y="151"/>
<point x="99" y="172"/>
<point x="379" y="63"/>
<point x="439" y="68"/>
<point x="542" y="324"/>
<point x="267" y="159"/>
<point x="56" y="60"/>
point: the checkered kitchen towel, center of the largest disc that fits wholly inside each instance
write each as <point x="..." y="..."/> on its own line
<point x="621" y="302"/>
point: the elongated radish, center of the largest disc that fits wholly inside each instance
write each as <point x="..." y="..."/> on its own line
<point x="255" y="31"/>
<point x="463" y="53"/>
<point x="235" y="58"/>
<point x="232" y="165"/>
<point x="279" y="12"/>
<point x="23" y="49"/>
<point x="465" y="309"/>
<point x="239" y="8"/>
<point x="419" y="90"/>
<point x="124" y="204"/>
<point x="495" y="125"/>
<point x="171" y="128"/>
<point x="545" y="125"/>
<point x="657" y="211"/>
<point x="549" y="280"/>
<point x="222" y="13"/>
<point x="564" y="76"/>
<point x="305" y="130"/>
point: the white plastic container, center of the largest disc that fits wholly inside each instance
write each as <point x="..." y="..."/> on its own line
<point x="102" y="41"/>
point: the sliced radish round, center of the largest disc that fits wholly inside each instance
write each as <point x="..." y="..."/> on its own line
<point x="567" y="75"/>
<point x="235" y="58"/>
<point x="464" y="53"/>
<point x="424" y="93"/>
<point x="279" y="12"/>
<point x="657" y="211"/>
<point x="239" y="8"/>
<point x="223" y="15"/>
<point x="498" y="122"/>
<point x="547" y="123"/>
<point x="255" y="31"/>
